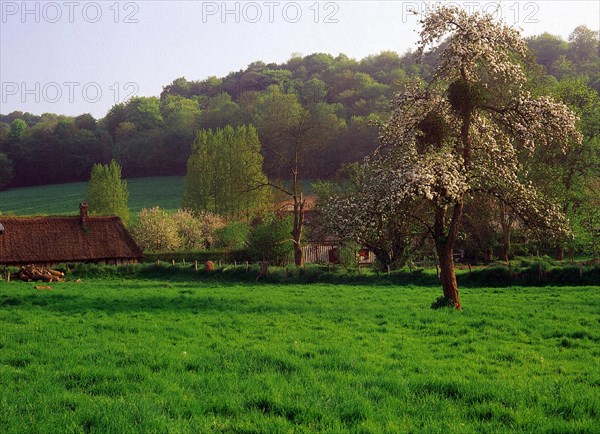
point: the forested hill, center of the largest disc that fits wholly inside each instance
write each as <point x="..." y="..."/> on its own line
<point x="331" y="101"/>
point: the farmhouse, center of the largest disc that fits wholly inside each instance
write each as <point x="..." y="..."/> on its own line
<point x="48" y="241"/>
<point x="320" y="246"/>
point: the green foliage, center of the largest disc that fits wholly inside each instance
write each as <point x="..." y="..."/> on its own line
<point x="17" y="129"/>
<point x="228" y="257"/>
<point x="224" y="174"/>
<point x="107" y="193"/>
<point x="151" y="136"/>
<point x="233" y="236"/>
<point x="270" y="240"/>
<point x="347" y="254"/>
<point x="443" y="302"/>
<point x="6" y="170"/>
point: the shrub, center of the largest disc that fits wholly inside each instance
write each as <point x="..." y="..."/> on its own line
<point x="234" y="236"/>
<point x="156" y="230"/>
<point x="159" y="230"/>
<point x="347" y="254"/>
<point x="199" y="255"/>
<point x="270" y="240"/>
<point x="196" y="231"/>
<point x="442" y="302"/>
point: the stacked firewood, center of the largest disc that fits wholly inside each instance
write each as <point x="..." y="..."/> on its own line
<point x="31" y="273"/>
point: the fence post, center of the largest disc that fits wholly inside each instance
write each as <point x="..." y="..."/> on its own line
<point x="173" y="262"/>
<point x="184" y="262"/>
<point x="246" y="266"/>
<point x="196" y="265"/>
<point x="158" y="263"/>
<point x="8" y="276"/>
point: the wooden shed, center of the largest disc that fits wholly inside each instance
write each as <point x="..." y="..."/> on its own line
<point x="48" y="241"/>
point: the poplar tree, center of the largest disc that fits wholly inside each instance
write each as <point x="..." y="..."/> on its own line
<point x="107" y="193"/>
<point x="224" y="167"/>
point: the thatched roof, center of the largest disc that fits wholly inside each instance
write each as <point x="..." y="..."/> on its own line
<point x="28" y="240"/>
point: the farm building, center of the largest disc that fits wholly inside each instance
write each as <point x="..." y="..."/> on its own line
<point x="48" y="241"/>
<point x="320" y="246"/>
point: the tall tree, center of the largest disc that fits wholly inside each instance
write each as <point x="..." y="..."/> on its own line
<point x="290" y="134"/>
<point x="459" y="134"/>
<point x="107" y="193"/>
<point x="222" y="171"/>
<point x="18" y="127"/>
<point x="566" y="177"/>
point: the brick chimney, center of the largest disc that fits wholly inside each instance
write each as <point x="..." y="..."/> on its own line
<point x="83" y="215"/>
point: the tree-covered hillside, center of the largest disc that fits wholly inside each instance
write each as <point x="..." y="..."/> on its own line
<point x="339" y="100"/>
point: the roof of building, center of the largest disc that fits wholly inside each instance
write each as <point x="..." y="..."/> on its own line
<point x="65" y="239"/>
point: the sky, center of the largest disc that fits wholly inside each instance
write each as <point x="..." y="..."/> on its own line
<point x="73" y="57"/>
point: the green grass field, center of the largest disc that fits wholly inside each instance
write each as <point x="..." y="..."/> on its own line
<point x="64" y="199"/>
<point x="132" y="355"/>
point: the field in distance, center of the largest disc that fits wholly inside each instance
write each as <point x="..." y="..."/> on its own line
<point x="159" y="355"/>
<point x="64" y="199"/>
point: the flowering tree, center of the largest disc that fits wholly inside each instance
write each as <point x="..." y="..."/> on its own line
<point x="359" y="211"/>
<point x="159" y="230"/>
<point x="459" y="134"/>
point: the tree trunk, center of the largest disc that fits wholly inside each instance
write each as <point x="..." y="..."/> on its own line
<point x="298" y="255"/>
<point x="487" y="255"/>
<point x="447" y="276"/>
<point x="297" y="230"/>
<point x="505" y="243"/>
<point x="560" y="253"/>
<point x="506" y="222"/>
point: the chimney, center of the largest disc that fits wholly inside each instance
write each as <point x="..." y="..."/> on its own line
<point x="83" y="215"/>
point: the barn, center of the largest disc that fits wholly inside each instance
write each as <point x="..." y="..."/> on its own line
<point x="47" y="241"/>
<point x="320" y="246"/>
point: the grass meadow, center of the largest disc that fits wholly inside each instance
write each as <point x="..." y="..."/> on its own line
<point x="154" y="355"/>
<point x="64" y="199"/>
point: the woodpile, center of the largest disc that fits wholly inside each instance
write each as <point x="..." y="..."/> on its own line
<point x="31" y="273"/>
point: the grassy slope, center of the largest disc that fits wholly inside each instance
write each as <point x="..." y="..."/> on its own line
<point x="64" y="199"/>
<point x="165" y="356"/>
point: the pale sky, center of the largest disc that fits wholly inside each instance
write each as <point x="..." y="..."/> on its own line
<point x="73" y="57"/>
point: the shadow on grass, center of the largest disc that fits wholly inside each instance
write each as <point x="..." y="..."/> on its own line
<point x="535" y="274"/>
<point x="181" y="302"/>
